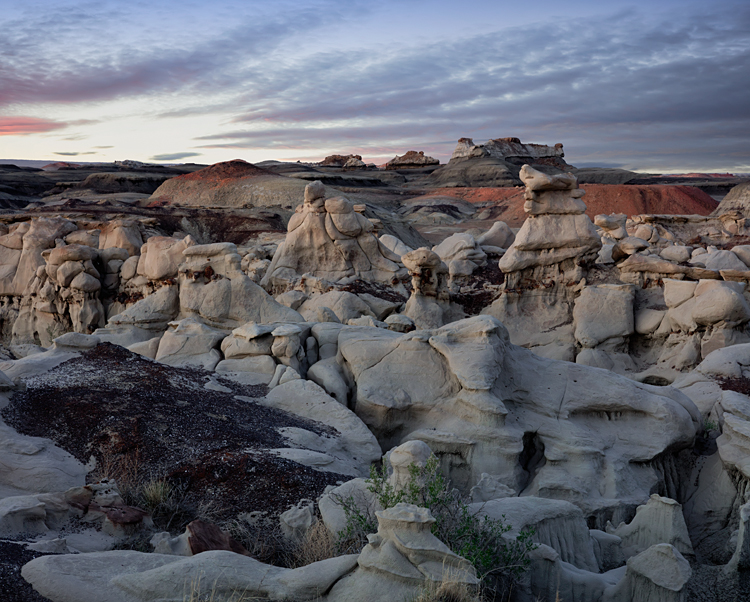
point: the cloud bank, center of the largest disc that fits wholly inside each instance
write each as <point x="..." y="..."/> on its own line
<point x="14" y="126"/>
<point x="174" y="156"/>
<point x="631" y="89"/>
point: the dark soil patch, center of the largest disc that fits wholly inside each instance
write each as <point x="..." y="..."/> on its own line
<point x="161" y="421"/>
<point x="740" y="384"/>
<point x="450" y="210"/>
<point x="13" y="587"/>
<point x="483" y="288"/>
<point x="474" y="302"/>
<point x="735" y="241"/>
<point x="375" y="289"/>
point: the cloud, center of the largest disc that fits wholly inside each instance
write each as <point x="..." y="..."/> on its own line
<point x="15" y="126"/>
<point x="672" y="90"/>
<point x="174" y="156"/>
<point x="627" y="88"/>
<point x="73" y="154"/>
<point x="85" y="68"/>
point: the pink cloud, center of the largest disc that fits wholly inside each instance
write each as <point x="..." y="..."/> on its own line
<point x="15" y="126"/>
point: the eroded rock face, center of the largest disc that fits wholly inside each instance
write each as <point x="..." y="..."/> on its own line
<point x="400" y="557"/>
<point x="230" y="184"/>
<point x="557" y="228"/>
<point x="505" y="148"/>
<point x="328" y="239"/>
<point x="578" y="434"/>
<point x="411" y="160"/>
<point x="430" y="298"/>
<point x="546" y="265"/>
<point x="394" y="565"/>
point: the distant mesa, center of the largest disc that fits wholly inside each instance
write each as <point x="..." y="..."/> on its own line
<point x="60" y="166"/>
<point x="227" y="170"/>
<point x="636" y="199"/>
<point x="496" y="163"/>
<point x="346" y="162"/>
<point x="234" y="183"/>
<point x="512" y="150"/>
<point x="506" y="203"/>
<point x="412" y="160"/>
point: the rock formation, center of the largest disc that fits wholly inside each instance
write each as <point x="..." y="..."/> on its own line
<point x="430" y="297"/>
<point x="328" y="239"/>
<point x="412" y="160"/>
<point x="268" y="370"/>
<point x="511" y="149"/>
<point x="736" y="201"/>
<point x="546" y="263"/>
<point x="230" y="184"/>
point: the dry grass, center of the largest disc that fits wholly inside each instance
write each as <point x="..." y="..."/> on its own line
<point x="448" y="591"/>
<point x="262" y="538"/>
<point x="318" y="544"/>
<point x="194" y="593"/>
<point x="124" y="469"/>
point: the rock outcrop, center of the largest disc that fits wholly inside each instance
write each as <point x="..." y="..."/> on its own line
<point x="329" y="240"/>
<point x="507" y="422"/>
<point x="230" y="184"/>
<point x="546" y="264"/>
<point x="737" y="200"/>
<point x="511" y="149"/>
<point x="412" y="160"/>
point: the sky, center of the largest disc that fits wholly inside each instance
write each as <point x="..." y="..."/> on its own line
<point x="658" y="85"/>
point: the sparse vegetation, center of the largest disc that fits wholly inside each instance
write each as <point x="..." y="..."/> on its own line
<point x="318" y="544"/>
<point x="262" y="538"/>
<point x="194" y="593"/>
<point x="447" y="591"/>
<point x="498" y="559"/>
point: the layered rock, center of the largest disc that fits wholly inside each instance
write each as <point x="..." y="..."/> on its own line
<point x="329" y="240"/>
<point x="507" y="148"/>
<point x="412" y="160"/>
<point x="462" y="254"/>
<point x="556" y="229"/>
<point x="429" y="302"/>
<point x="546" y="265"/>
<point x="737" y="200"/>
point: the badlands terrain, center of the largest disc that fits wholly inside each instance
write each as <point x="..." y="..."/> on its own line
<point x="499" y="378"/>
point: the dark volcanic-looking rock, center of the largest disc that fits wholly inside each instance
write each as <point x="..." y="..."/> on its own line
<point x="203" y="536"/>
<point x="124" y="409"/>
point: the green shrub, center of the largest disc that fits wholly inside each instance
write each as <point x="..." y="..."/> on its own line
<point x="477" y="538"/>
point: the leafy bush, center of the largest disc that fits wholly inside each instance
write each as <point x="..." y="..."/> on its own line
<point x="479" y="539"/>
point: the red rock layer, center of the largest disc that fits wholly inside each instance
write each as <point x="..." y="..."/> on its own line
<point x="227" y="170"/>
<point x="600" y="198"/>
